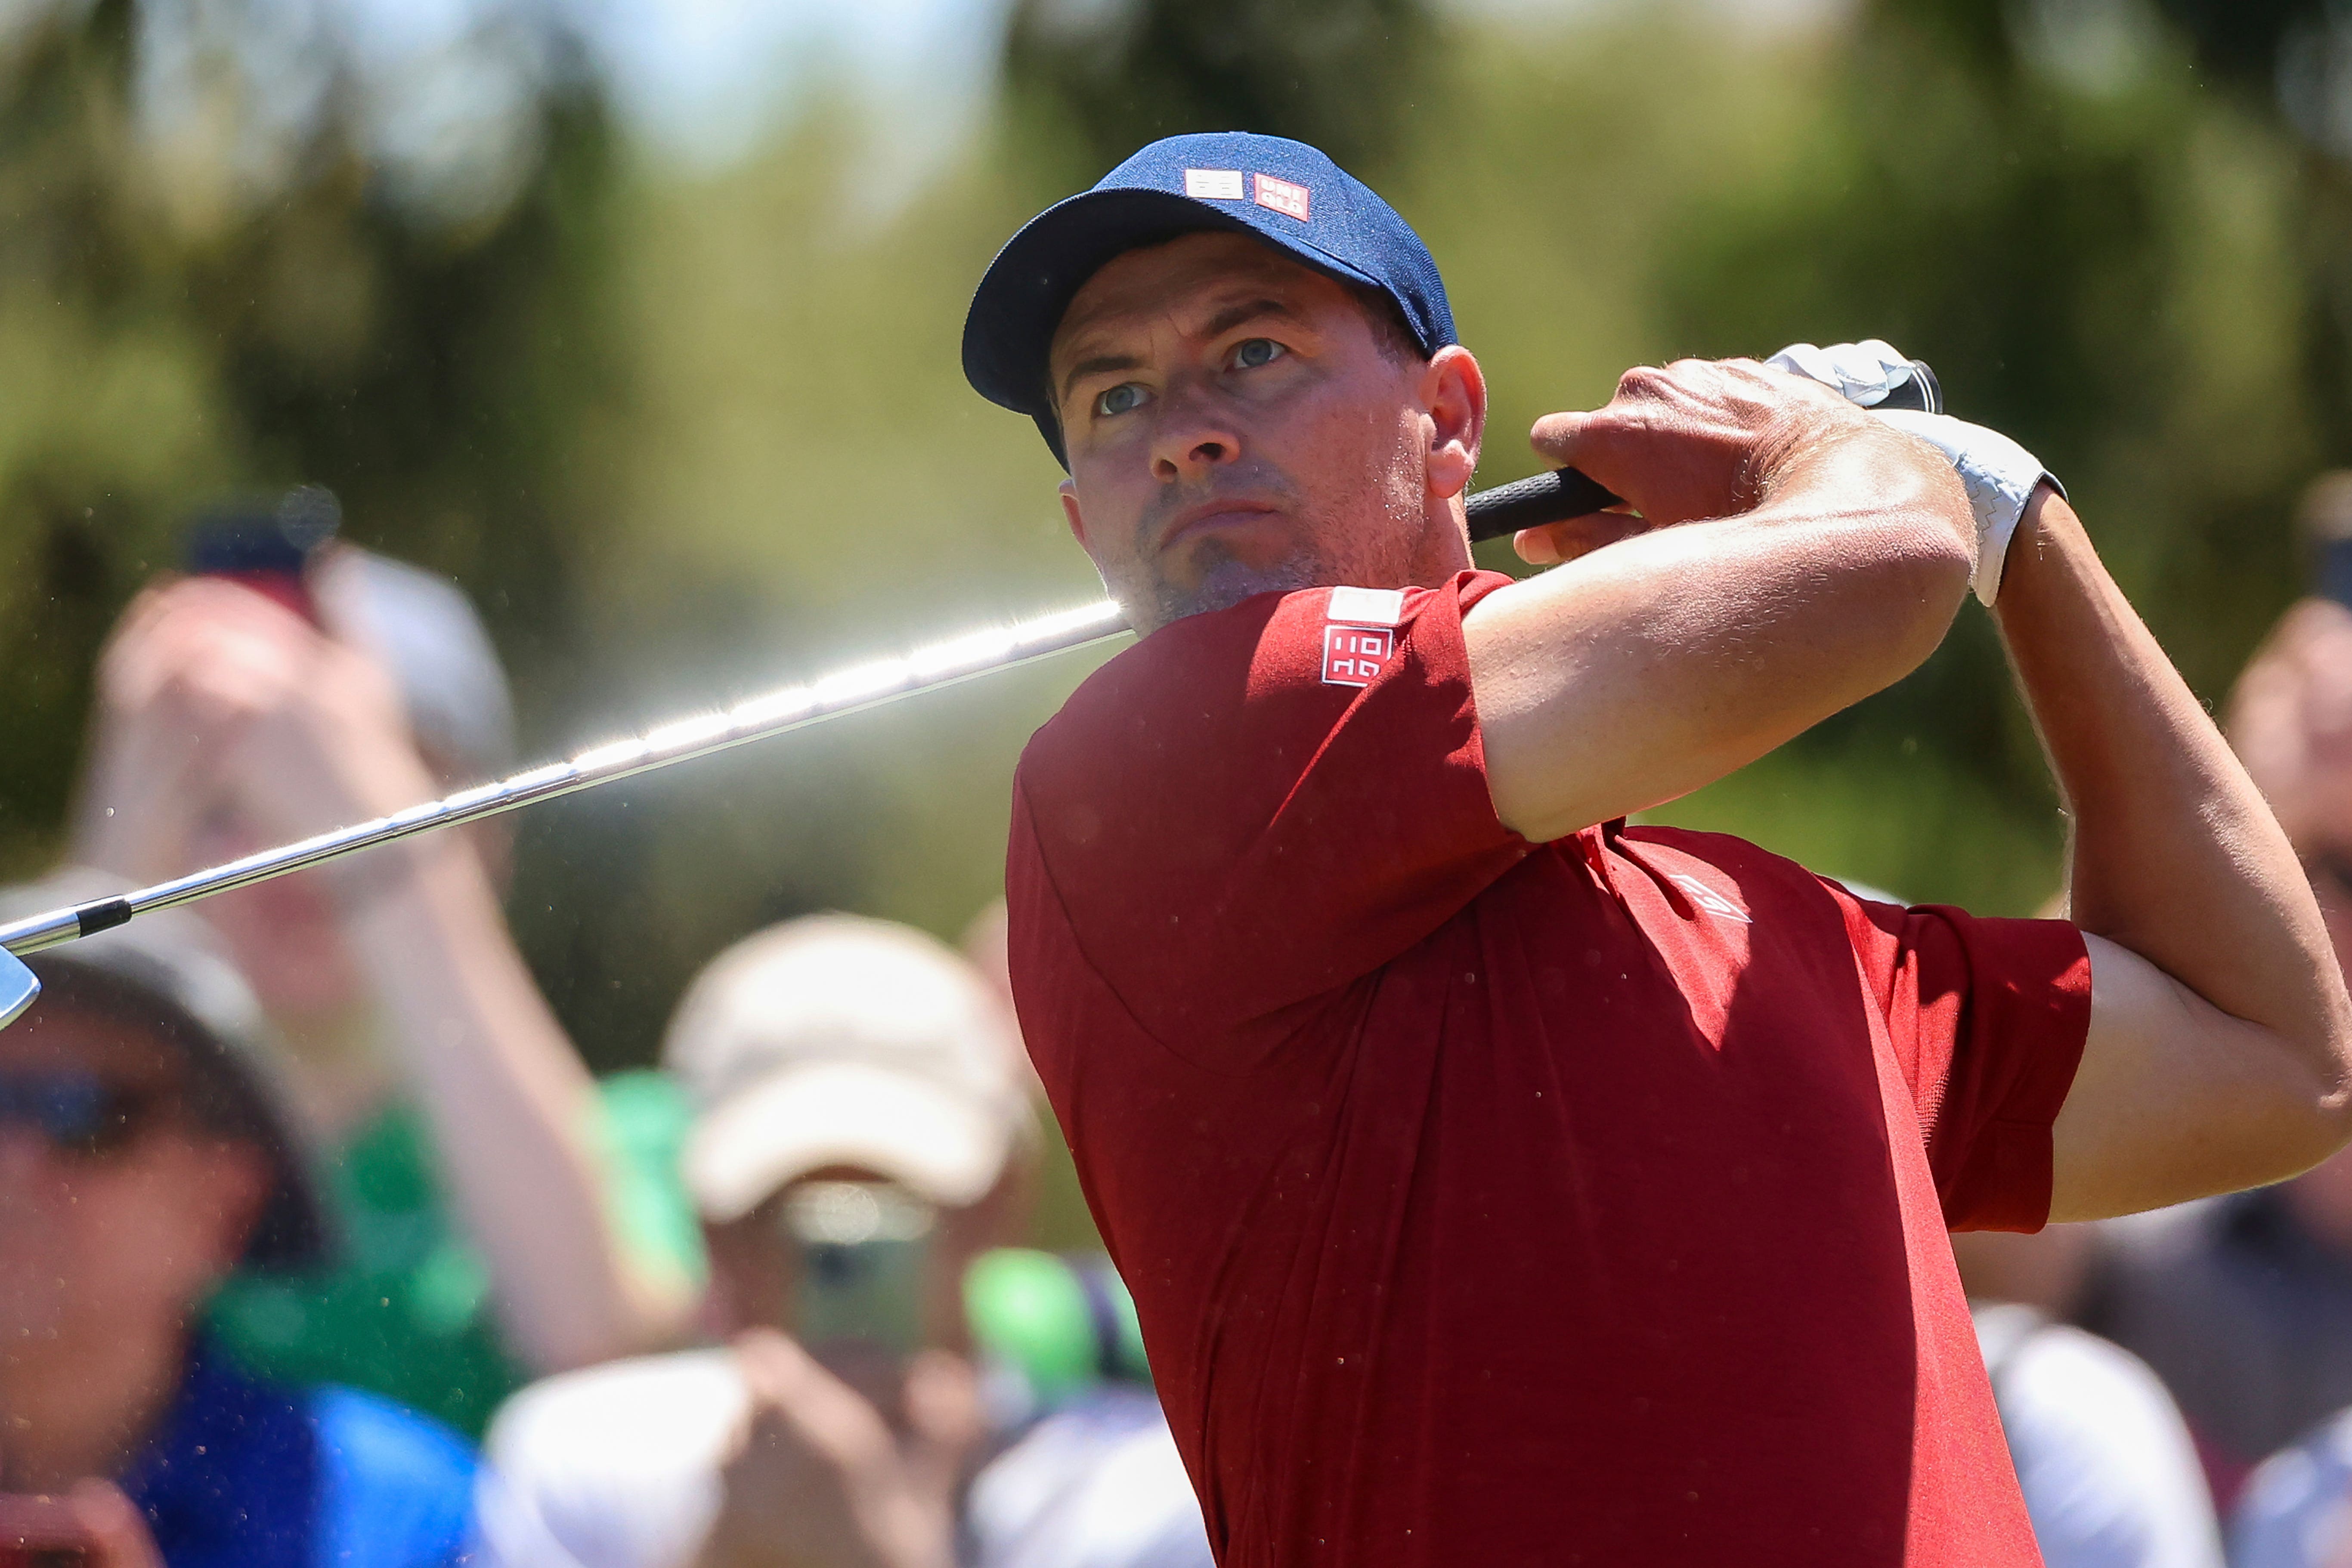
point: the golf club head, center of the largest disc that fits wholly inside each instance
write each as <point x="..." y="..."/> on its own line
<point x="18" y="987"/>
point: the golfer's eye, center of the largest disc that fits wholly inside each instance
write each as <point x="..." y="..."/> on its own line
<point x="1124" y="398"/>
<point x="1257" y="351"/>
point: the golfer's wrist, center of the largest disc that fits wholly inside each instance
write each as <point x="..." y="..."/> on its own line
<point x="2051" y="562"/>
<point x="2001" y="477"/>
<point x="1791" y="454"/>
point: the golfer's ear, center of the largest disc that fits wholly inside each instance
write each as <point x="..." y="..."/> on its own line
<point x="1070" y="511"/>
<point x="1453" y="391"/>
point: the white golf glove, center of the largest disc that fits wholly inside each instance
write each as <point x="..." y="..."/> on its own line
<point x="1998" y="474"/>
<point x="1862" y="374"/>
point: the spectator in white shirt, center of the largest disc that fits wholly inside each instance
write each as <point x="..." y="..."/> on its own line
<point x="864" y="1141"/>
<point x="2110" y="1476"/>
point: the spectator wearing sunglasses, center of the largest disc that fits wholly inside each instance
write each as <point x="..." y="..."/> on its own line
<point x="146" y="1152"/>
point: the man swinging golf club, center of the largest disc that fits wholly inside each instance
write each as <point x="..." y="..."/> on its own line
<point x="1497" y="1183"/>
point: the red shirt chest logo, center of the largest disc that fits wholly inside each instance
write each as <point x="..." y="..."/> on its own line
<point x="1354" y="656"/>
<point x="1707" y="899"/>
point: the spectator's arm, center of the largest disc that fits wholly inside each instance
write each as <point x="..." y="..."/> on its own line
<point x="2220" y="1036"/>
<point x="515" y="1117"/>
<point x="210" y="695"/>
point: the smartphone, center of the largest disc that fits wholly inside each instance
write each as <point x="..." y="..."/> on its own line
<point x="863" y="1253"/>
<point x="41" y="1532"/>
<point x="2332" y="576"/>
<point x="265" y="545"/>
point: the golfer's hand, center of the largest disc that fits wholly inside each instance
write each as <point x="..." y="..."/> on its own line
<point x="821" y="1479"/>
<point x="2291" y="724"/>
<point x="1696" y="439"/>
<point x="214" y="699"/>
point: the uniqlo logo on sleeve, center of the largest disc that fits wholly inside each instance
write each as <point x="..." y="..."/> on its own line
<point x="1289" y="200"/>
<point x="1352" y="656"/>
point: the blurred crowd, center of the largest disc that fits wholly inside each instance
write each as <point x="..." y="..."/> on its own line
<point x="323" y="1247"/>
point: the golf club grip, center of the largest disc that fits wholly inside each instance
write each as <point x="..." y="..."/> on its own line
<point x="1564" y="493"/>
<point x="1531" y="503"/>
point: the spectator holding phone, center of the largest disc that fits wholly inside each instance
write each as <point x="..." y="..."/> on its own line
<point x="147" y="1147"/>
<point x="895" y="1388"/>
<point x="291" y="684"/>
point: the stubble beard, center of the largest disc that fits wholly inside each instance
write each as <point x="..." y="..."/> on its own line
<point x="1373" y="540"/>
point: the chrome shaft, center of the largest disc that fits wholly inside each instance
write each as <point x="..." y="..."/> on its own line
<point x="846" y="692"/>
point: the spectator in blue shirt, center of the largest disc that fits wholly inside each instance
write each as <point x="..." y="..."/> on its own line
<point x="146" y="1150"/>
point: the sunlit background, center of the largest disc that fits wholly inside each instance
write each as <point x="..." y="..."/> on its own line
<point x="640" y="318"/>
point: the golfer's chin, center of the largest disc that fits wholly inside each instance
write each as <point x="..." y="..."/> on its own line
<point x="1215" y="574"/>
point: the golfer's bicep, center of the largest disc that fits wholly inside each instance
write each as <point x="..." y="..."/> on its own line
<point x="1649" y="668"/>
<point x="2174" y="1098"/>
<point x="1603" y="694"/>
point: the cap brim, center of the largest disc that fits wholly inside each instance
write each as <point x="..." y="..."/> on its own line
<point x="806" y="1118"/>
<point x="1024" y="292"/>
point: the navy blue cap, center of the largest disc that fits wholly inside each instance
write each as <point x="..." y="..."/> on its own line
<point x="1283" y="191"/>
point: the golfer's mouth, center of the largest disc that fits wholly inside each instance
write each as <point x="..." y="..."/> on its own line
<point x="1218" y="515"/>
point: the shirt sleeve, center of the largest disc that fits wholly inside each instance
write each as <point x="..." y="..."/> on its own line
<point x="1258" y="806"/>
<point x="1986" y="1019"/>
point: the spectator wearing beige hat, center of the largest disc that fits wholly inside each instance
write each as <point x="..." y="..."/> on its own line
<point x="288" y="684"/>
<point x="896" y="1387"/>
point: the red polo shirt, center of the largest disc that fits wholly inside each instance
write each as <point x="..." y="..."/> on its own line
<point x="1496" y="1203"/>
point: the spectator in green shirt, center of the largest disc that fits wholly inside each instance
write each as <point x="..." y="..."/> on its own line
<point x="503" y="1216"/>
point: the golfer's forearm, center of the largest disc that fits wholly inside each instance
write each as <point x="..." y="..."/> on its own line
<point x="512" y="1113"/>
<point x="2175" y="856"/>
<point x="1689" y="652"/>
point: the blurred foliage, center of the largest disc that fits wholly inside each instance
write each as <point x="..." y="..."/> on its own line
<point x="689" y="435"/>
<point x="1124" y="72"/>
<point x="2141" y="278"/>
<point x="169" y="329"/>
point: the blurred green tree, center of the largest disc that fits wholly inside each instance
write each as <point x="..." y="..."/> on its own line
<point x="1338" y="73"/>
<point x="212" y="277"/>
<point x="2135" y="275"/>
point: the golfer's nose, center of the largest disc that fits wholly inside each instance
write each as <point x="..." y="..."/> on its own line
<point x="1195" y="437"/>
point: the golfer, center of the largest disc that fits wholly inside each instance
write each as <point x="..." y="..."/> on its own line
<point x="1499" y="1183"/>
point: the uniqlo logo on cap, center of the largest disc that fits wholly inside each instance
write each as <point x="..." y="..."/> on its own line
<point x="1352" y="656"/>
<point x="1284" y="197"/>
<point x="1213" y="185"/>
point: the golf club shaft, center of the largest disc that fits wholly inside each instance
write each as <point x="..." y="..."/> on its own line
<point x="1547" y="498"/>
<point x="849" y="690"/>
<point x="1551" y="496"/>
